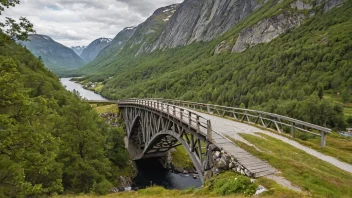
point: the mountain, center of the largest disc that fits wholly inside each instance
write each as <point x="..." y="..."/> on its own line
<point x="119" y="41"/>
<point x="78" y="49"/>
<point x="135" y="40"/>
<point x="204" y="20"/>
<point x="56" y="57"/>
<point x="283" y="56"/>
<point x="93" y="49"/>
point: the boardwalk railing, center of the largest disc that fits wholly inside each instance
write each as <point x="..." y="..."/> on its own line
<point x="192" y="119"/>
<point x="256" y="117"/>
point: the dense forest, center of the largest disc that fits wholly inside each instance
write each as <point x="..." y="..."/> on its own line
<point x="294" y="75"/>
<point x="51" y="141"/>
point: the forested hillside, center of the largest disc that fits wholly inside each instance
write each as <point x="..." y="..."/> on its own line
<point x="292" y="75"/>
<point x="50" y="140"/>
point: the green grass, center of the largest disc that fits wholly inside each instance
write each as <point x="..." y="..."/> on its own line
<point x="337" y="146"/>
<point x="228" y="184"/>
<point x="181" y="159"/>
<point x="314" y="176"/>
<point x="106" y="108"/>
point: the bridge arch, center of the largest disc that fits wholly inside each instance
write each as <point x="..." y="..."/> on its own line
<point x="153" y="132"/>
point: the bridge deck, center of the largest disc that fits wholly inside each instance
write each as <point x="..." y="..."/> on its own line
<point x="221" y="127"/>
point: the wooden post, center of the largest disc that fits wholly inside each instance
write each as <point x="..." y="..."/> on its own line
<point x="181" y="115"/>
<point x="293" y="130"/>
<point x="198" y="124"/>
<point x="323" y="139"/>
<point x="189" y="119"/>
<point x="209" y="131"/>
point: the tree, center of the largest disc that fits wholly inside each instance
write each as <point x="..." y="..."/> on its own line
<point x="15" y="30"/>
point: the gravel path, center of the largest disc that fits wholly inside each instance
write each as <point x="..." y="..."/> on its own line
<point x="232" y="128"/>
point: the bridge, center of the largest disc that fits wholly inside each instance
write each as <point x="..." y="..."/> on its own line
<point x="154" y="126"/>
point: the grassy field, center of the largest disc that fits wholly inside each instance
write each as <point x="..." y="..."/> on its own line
<point x="336" y="146"/>
<point x="316" y="177"/>
<point x="106" y="108"/>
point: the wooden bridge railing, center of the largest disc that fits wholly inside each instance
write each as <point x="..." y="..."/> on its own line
<point x="264" y="119"/>
<point x="192" y="119"/>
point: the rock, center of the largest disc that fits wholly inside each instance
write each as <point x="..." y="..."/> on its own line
<point x="217" y="154"/>
<point x="203" y="20"/>
<point x="260" y="190"/>
<point x="238" y="169"/>
<point x="222" y="164"/>
<point x="253" y="180"/>
<point x="242" y="172"/>
<point x="330" y="4"/>
<point x="232" y="165"/>
<point x="299" y="5"/>
<point x="221" y="47"/>
<point x="266" y="30"/>
<point x="122" y="189"/>
<point x="114" y="190"/>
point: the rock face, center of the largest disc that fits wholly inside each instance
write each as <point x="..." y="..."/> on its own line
<point x="119" y="41"/>
<point x="78" y="49"/>
<point x="266" y="30"/>
<point x="94" y="49"/>
<point x="223" y="46"/>
<point x="147" y="32"/>
<point x="329" y="4"/>
<point x="203" y="20"/>
<point x="55" y="56"/>
<point x="299" y="5"/>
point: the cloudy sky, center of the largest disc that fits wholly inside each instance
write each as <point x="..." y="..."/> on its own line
<point x="79" y="22"/>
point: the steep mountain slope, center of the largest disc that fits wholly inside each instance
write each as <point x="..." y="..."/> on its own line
<point x="94" y="48"/>
<point x="78" y="49"/>
<point x="119" y="41"/>
<point x="284" y="58"/>
<point x="140" y="39"/>
<point x="115" y="46"/>
<point x="56" y="57"/>
<point x="204" y="20"/>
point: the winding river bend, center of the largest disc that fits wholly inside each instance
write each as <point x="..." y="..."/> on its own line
<point x="150" y="171"/>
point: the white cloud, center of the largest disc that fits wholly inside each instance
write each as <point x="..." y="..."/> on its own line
<point x="79" y="22"/>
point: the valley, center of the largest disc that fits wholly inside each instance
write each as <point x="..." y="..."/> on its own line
<point x="176" y="98"/>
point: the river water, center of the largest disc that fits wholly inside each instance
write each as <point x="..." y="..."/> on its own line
<point x="150" y="171"/>
<point x="89" y="95"/>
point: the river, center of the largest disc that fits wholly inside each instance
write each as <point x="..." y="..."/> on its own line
<point x="89" y="95"/>
<point x="150" y="171"/>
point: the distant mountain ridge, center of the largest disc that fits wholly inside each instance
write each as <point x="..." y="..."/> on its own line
<point x="93" y="49"/>
<point x="78" y="49"/>
<point x="56" y="57"/>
